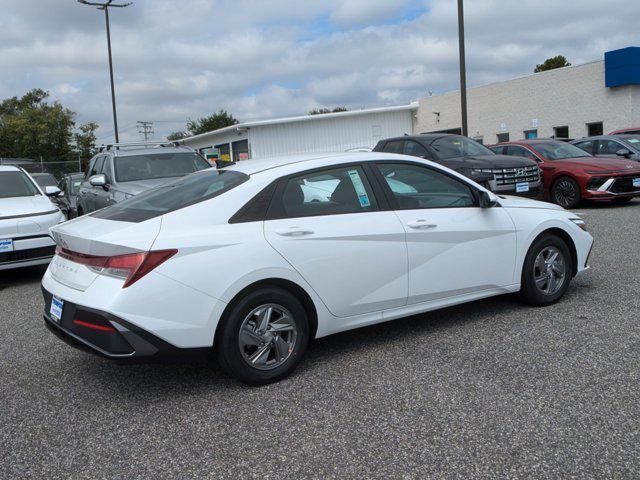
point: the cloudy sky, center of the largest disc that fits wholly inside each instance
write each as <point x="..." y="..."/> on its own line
<point x="180" y="59"/>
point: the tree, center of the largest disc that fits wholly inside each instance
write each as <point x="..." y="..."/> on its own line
<point x="209" y="123"/>
<point x="322" y="111"/>
<point x="31" y="127"/>
<point x="558" y="61"/>
<point x="85" y="140"/>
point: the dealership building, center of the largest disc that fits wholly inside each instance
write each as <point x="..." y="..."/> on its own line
<point x="570" y="102"/>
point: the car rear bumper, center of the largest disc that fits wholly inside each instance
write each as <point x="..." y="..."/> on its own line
<point x="107" y="335"/>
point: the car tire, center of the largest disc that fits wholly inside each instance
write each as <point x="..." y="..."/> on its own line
<point x="245" y="332"/>
<point x="539" y="264"/>
<point x="566" y="192"/>
<point x="80" y="212"/>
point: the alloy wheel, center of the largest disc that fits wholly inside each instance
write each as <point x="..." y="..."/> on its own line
<point x="549" y="270"/>
<point x="565" y="193"/>
<point x="267" y="336"/>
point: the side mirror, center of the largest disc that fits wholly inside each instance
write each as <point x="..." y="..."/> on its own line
<point x="624" y="152"/>
<point x="52" y="191"/>
<point x="487" y="199"/>
<point x="98" y="180"/>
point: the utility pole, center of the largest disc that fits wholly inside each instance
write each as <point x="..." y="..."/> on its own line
<point x="145" y="129"/>
<point x="463" y="69"/>
<point x="105" y="6"/>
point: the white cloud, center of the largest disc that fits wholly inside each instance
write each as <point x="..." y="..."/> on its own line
<point x="258" y="59"/>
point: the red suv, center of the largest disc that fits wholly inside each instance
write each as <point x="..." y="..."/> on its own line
<point x="571" y="174"/>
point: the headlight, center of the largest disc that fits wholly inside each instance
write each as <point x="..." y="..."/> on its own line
<point x="580" y="223"/>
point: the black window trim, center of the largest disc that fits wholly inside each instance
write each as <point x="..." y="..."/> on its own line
<point x="381" y="201"/>
<point x="394" y="202"/>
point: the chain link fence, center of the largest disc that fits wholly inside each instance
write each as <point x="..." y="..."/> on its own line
<point x="57" y="169"/>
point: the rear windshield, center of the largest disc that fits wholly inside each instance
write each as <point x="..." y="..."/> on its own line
<point x="189" y="190"/>
<point x="158" y="165"/>
<point x="16" y="184"/>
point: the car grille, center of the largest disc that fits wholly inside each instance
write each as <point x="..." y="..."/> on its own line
<point x="511" y="176"/>
<point x="624" y="185"/>
<point x="29" y="254"/>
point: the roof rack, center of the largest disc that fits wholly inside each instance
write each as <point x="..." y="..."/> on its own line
<point x="117" y="146"/>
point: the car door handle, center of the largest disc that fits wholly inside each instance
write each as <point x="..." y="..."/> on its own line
<point x="294" y="232"/>
<point x="421" y="225"/>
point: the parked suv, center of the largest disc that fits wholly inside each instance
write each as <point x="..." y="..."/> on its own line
<point x="619" y="145"/>
<point x="499" y="173"/>
<point x="120" y="171"/>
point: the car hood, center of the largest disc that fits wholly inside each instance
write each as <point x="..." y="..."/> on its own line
<point x="509" y="201"/>
<point x="17" y="206"/>
<point x="606" y="164"/>
<point x="139" y="186"/>
<point x="494" y="161"/>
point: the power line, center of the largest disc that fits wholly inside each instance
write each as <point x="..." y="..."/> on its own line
<point x="145" y="129"/>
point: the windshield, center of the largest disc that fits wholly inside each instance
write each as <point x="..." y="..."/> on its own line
<point x="458" y="146"/>
<point x="16" y="184"/>
<point x="45" y="180"/>
<point x="158" y="165"/>
<point x="189" y="190"/>
<point x="633" y="141"/>
<point x="559" y="150"/>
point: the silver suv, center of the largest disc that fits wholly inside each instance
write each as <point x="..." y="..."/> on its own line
<point x="122" y="170"/>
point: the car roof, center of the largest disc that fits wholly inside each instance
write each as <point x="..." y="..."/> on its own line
<point x="127" y="152"/>
<point x="9" y="168"/>
<point x="250" y="167"/>
<point x="429" y="137"/>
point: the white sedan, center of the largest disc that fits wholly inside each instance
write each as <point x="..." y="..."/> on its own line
<point x="26" y="214"/>
<point x="243" y="263"/>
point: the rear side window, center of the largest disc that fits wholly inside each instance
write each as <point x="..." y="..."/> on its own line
<point x="517" y="151"/>
<point x="586" y="146"/>
<point x="182" y="193"/>
<point x="328" y="192"/>
<point x="394" y="146"/>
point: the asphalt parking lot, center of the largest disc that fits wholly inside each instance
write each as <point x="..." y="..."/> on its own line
<point x="489" y="389"/>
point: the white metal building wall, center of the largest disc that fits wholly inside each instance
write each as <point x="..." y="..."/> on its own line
<point x="335" y="134"/>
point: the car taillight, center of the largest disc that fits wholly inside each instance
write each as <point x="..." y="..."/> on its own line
<point x="130" y="267"/>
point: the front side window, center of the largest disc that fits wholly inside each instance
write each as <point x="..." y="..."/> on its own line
<point x="607" y="147"/>
<point x="453" y="146"/>
<point x="184" y="192"/>
<point x="559" y="150"/>
<point x="96" y="167"/>
<point x="157" y="165"/>
<point x="327" y="192"/>
<point x="415" y="149"/>
<point x="16" y="184"/>
<point x="416" y="187"/>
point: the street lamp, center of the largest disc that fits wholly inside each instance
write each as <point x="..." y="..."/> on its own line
<point x="105" y="6"/>
<point x="463" y="69"/>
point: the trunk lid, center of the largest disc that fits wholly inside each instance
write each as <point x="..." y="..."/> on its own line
<point x="104" y="238"/>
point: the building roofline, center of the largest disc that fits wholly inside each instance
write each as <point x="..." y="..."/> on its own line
<point x="302" y="118"/>
<point x="499" y="82"/>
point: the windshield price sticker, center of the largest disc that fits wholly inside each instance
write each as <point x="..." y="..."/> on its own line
<point x="360" y="190"/>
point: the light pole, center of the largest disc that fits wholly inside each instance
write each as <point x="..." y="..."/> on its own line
<point x="463" y="69"/>
<point x="105" y="6"/>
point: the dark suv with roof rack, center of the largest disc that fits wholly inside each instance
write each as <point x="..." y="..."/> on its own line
<point x="120" y="171"/>
<point x="500" y="173"/>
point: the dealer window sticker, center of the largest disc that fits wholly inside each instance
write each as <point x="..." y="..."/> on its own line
<point x="360" y="190"/>
<point x="633" y="140"/>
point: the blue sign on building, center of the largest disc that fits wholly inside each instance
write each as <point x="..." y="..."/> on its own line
<point x="622" y="67"/>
